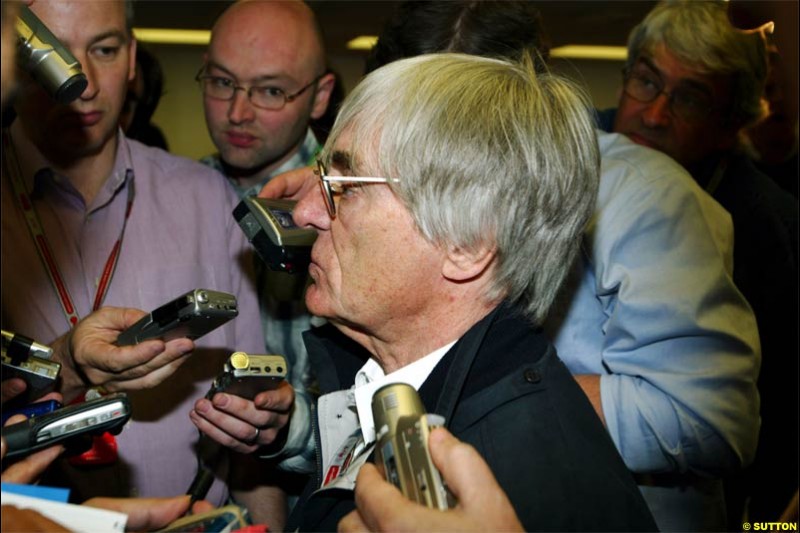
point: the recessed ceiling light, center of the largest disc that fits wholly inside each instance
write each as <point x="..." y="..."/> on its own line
<point x="362" y="42"/>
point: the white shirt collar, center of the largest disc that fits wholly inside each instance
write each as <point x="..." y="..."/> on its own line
<point x="371" y="377"/>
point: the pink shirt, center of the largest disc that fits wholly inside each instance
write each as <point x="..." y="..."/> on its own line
<point x="180" y="236"/>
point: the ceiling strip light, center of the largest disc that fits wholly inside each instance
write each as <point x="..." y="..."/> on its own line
<point x="578" y="51"/>
<point x="172" y="36"/>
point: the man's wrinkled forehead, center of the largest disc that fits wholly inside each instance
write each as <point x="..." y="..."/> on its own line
<point x="355" y="151"/>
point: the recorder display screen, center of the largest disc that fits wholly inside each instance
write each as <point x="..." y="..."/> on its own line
<point x="283" y="217"/>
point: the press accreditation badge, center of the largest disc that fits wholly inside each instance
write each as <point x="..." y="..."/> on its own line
<point x="349" y="458"/>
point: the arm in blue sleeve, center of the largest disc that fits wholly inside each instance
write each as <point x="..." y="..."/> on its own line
<point x="680" y="352"/>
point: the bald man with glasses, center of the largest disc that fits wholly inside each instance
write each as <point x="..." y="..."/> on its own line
<point x="264" y="79"/>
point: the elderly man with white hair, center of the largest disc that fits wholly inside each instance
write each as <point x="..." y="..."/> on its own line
<point x="453" y="192"/>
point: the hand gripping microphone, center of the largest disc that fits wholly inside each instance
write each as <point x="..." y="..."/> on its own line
<point x="48" y="61"/>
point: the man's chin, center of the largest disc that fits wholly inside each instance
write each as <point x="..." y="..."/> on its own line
<point x="315" y="302"/>
<point x="240" y="158"/>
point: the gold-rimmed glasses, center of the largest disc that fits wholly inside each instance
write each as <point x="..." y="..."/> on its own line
<point x="333" y="186"/>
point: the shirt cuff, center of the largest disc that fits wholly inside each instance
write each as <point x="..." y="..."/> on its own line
<point x="297" y="453"/>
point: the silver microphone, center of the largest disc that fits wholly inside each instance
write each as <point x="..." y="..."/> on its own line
<point x="48" y="61"/>
<point x="402" y="430"/>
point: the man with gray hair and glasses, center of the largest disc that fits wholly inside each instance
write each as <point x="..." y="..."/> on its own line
<point x="445" y="228"/>
<point x="650" y="321"/>
<point x="691" y="83"/>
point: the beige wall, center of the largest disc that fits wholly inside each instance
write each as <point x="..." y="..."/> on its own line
<point x="180" y="112"/>
<point x="602" y="79"/>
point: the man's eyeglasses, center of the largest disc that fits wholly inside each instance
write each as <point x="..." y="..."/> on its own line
<point x="691" y="105"/>
<point x="333" y="186"/>
<point x="262" y="96"/>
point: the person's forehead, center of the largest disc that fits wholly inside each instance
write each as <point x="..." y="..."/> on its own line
<point x="77" y="21"/>
<point x="266" y="39"/>
<point x="675" y="71"/>
<point x="243" y="72"/>
<point x="343" y="155"/>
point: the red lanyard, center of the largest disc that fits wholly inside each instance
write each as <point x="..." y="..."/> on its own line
<point x="13" y="169"/>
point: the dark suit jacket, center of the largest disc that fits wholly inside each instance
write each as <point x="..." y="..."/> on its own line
<point x="502" y="389"/>
<point x="765" y="238"/>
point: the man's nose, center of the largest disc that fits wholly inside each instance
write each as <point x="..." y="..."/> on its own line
<point x="241" y="109"/>
<point x="311" y="211"/>
<point x="657" y="112"/>
<point x="91" y="83"/>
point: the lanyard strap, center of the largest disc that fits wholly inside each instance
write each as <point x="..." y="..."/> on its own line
<point x="13" y="169"/>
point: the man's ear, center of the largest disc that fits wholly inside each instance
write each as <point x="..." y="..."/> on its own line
<point x="323" y="95"/>
<point x="132" y="58"/>
<point x="463" y="265"/>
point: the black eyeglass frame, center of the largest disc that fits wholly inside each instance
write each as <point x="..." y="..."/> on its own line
<point x="200" y="78"/>
<point x="693" y="116"/>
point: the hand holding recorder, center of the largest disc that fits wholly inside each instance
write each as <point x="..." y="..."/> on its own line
<point x="72" y="426"/>
<point x="249" y="403"/>
<point x="482" y="504"/>
<point x="28" y="372"/>
<point x="29" y="470"/>
<point x="90" y="357"/>
<point x="291" y="185"/>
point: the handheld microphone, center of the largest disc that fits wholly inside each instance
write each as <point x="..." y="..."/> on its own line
<point x="48" y="61"/>
<point x="28" y="360"/>
<point x="402" y="430"/>
<point x="19" y="347"/>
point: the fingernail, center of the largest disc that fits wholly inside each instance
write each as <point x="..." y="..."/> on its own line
<point x="221" y="400"/>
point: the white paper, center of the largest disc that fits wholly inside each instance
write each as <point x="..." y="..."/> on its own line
<point x="74" y="517"/>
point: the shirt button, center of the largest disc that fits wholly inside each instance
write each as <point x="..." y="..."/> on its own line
<point x="532" y="376"/>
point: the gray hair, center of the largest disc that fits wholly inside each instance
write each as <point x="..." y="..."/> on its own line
<point x="487" y="153"/>
<point x="700" y="33"/>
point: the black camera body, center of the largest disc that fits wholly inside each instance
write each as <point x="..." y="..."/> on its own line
<point x="269" y="227"/>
